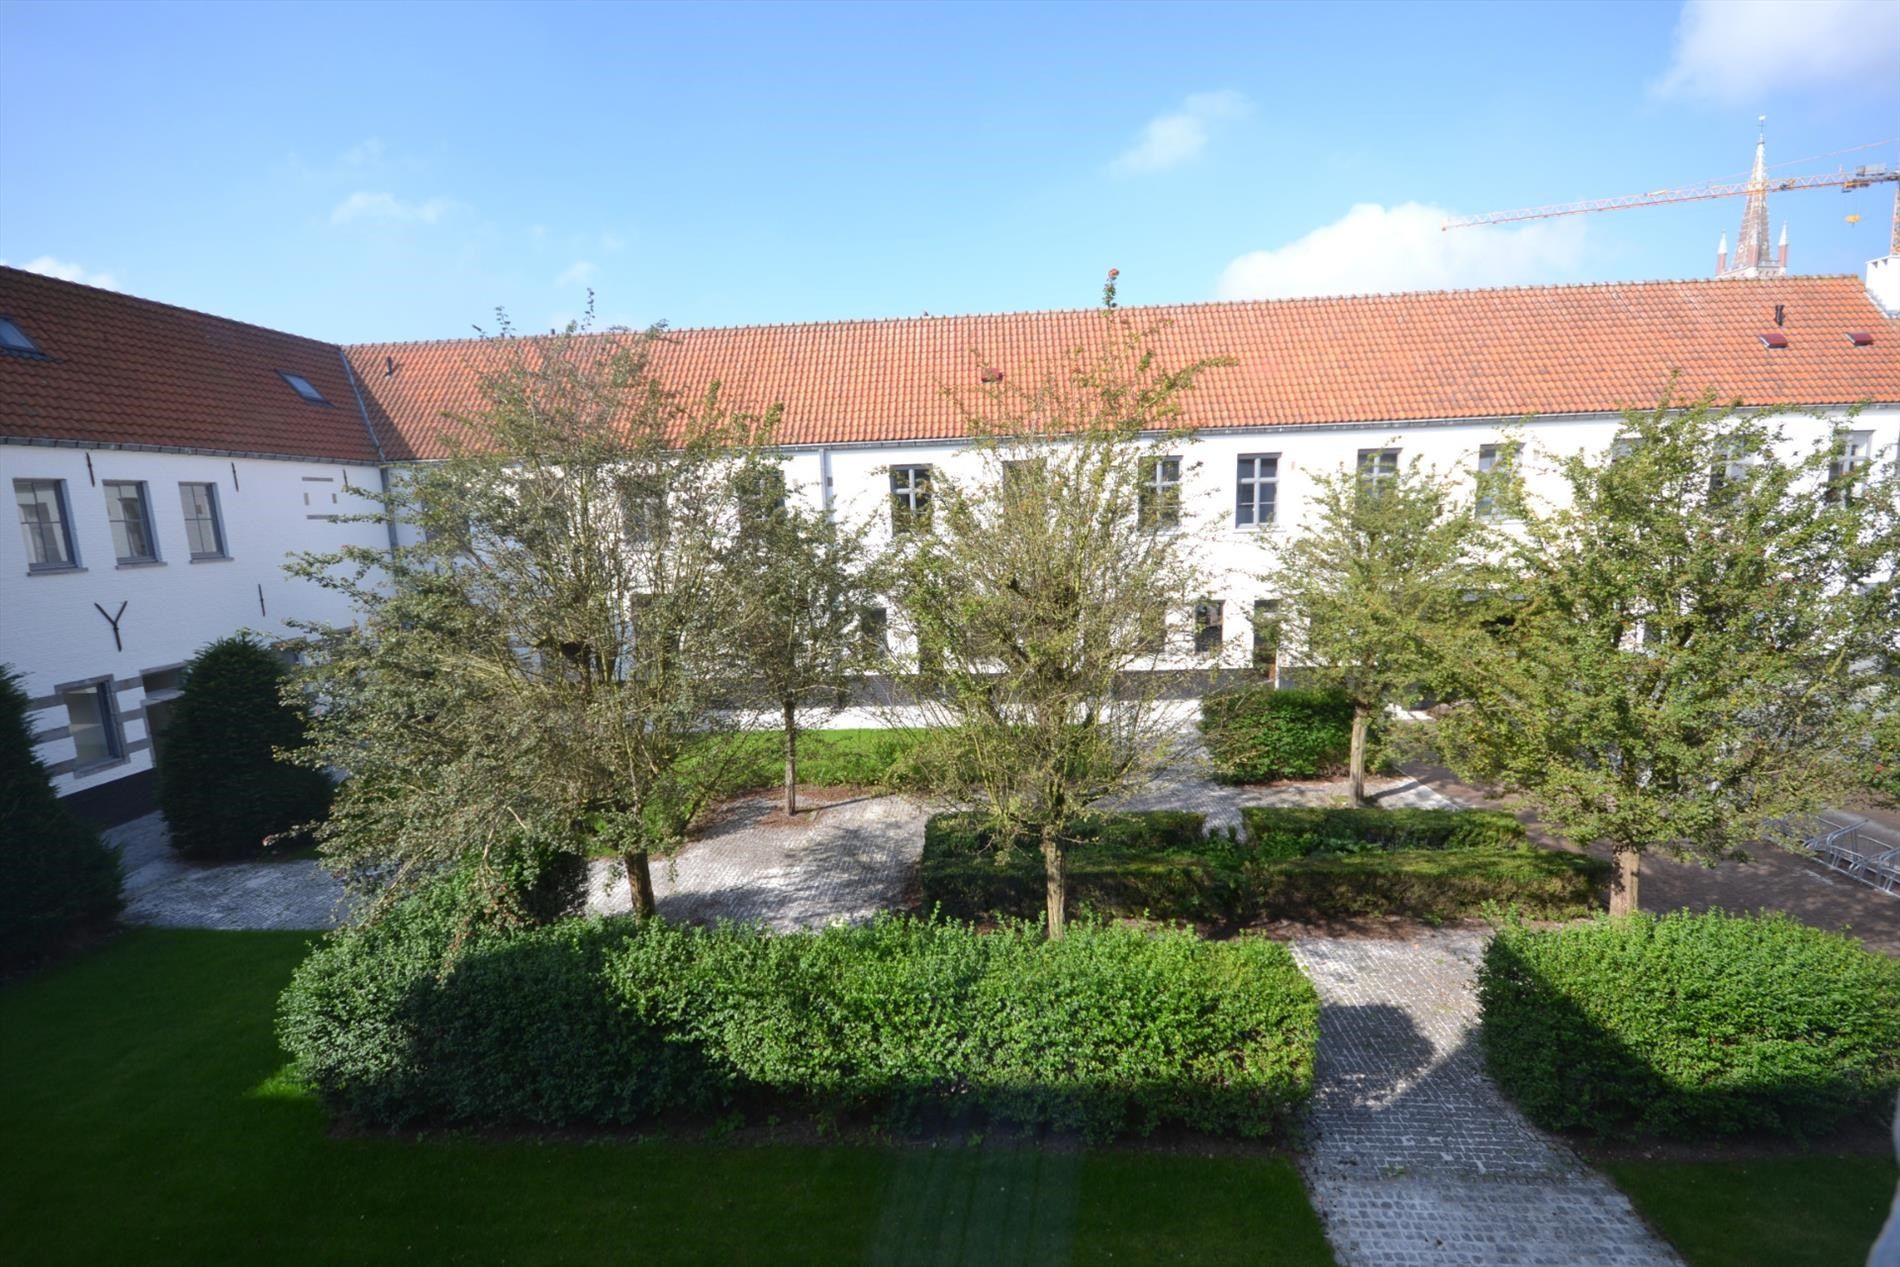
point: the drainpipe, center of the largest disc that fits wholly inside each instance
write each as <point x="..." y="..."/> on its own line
<point x="382" y="459"/>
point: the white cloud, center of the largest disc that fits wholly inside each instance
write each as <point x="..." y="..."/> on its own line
<point x="579" y="273"/>
<point x="1173" y="138"/>
<point x="47" y="266"/>
<point x="1736" y="52"/>
<point x="375" y="206"/>
<point x="1373" y="249"/>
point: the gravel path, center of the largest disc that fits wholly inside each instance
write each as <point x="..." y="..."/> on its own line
<point x="1416" y="1158"/>
<point x="163" y="889"/>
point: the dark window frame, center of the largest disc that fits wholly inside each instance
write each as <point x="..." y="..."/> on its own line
<point x="111" y="725"/>
<point x="146" y="523"/>
<point x="26" y="346"/>
<point x="308" y="392"/>
<point x="1210" y="618"/>
<point x="215" y="518"/>
<point x="62" y="505"/>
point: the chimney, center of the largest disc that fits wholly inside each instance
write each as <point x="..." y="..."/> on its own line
<point x="1784" y="246"/>
<point x="1721" y="256"/>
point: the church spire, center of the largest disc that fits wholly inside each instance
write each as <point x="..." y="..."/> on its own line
<point x="1754" y="247"/>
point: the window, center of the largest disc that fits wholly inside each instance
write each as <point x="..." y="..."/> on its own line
<point x="1727" y="469"/>
<point x="301" y="385"/>
<point x="14" y="339"/>
<point x="204" y="530"/>
<point x="1207" y="625"/>
<point x="874" y="625"/>
<point x="1376" y="467"/>
<point x="1151" y="630"/>
<point x="1857" y="448"/>
<point x="43" y="521"/>
<point x="1623" y="446"/>
<point x="1255" y="490"/>
<point x="1266" y="636"/>
<point x="910" y="497"/>
<point x="1494" y="469"/>
<point x="92" y="716"/>
<point x="761" y="492"/>
<point x="131" y="516"/>
<point x="1159" y="498"/>
<point x="1018" y="474"/>
<point x="162" y="689"/>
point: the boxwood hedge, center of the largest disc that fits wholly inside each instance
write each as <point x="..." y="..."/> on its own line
<point x="1255" y="734"/>
<point x="1290" y="864"/>
<point x="1690" y="1025"/>
<point x="604" y="1023"/>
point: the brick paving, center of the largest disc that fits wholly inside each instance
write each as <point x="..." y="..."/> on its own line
<point x="168" y="891"/>
<point x="1416" y="1159"/>
<point x="839" y="863"/>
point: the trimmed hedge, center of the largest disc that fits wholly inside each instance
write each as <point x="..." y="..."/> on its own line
<point x="1256" y="734"/>
<point x="56" y="875"/>
<point x="605" y="1023"/>
<point x="1294" y="864"/>
<point x="1691" y="1025"/>
<point x="829" y="758"/>
<point x="220" y="784"/>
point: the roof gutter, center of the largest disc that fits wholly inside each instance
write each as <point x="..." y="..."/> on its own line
<point x="382" y="459"/>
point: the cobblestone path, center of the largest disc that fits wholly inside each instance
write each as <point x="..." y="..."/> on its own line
<point x="1190" y="786"/>
<point x="163" y="889"/>
<point x="841" y="863"/>
<point x="1416" y="1158"/>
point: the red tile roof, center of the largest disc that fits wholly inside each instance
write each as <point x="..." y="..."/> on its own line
<point x="121" y="370"/>
<point x="1445" y="354"/>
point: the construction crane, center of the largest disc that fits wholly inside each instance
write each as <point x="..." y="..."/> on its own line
<point x="1844" y="180"/>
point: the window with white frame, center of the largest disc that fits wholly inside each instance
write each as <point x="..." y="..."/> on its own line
<point x="130" y="513"/>
<point x="1377" y="467"/>
<point x="1494" y="469"/>
<point x="1856" y="451"/>
<point x="1256" y="490"/>
<point x="204" y="528"/>
<point x="92" y="718"/>
<point x="761" y="492"/>
<point x="1728" y="468"/>
<point x="1158" y="502"/>
<point x="45" y="524"/>
<point x="910" y="497"/>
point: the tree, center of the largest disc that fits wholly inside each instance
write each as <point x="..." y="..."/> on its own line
<point x="1036" y="589"/>
<point x="800" y="589"/>
<point x="548" y="669"/>
<point x="1376" y="586"/>
<point x="1684" y="658"/>
<point x="221" y="784"/>
<point x="55" y="873"/>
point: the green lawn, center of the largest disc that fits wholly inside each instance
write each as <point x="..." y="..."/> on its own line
<point x="144" y="1121"/>
<point x="1789" y="1212"/>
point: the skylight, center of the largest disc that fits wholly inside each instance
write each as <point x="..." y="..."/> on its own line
<point x="301" y="385"/>
<point x="14" y="339"/>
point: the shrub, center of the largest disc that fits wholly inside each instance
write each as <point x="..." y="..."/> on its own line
<point x="1255" y="734"/>
<point x="221" y="786"/>
<point x="1293" y="832"/>
<point x="1690" y="1025"/>
<point x="610" y="1022"/>
<point x="55" y="873"/>
<point x="1293" y="864"/>
<point x="828" y="758"/>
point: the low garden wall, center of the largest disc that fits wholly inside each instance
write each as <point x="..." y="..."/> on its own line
<point x="609" y="1023"/>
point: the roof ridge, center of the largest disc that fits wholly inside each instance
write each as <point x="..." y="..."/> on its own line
<point x="159" y="303"/>
<point x="1195" y="304"/>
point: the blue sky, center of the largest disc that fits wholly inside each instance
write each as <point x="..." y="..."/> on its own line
<point x="400" y="171"/>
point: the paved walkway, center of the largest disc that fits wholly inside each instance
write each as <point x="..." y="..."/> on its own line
<point x="840" y="863"/>
<point x="163" y="889"/>
<point x="1190" y="786"/>
<point x="1416" y="1159"/>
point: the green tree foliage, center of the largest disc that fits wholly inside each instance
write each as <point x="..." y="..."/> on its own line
<point x="1040" y="592"/>
<point x="1684" y="655"/>
<point x="801" y="584"/>
<point x="55" y="874"/>
<point x="1375" y="588"/>
<point x="220" y="783"/>
<point x="549" y="668"/>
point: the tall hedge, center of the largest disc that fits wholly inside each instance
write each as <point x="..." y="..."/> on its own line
<point x="55" y="873"/>
<point x="612" y="1022"/>
<point x="219" y="783"/>
<point x="1687" y="1025"/>
<point x="1255" y="734"/>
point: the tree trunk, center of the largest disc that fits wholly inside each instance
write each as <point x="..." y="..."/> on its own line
<point x="640" y="882"/>
<point x="1056" y="886"/>
<point x="791" y="758"/>
<point x="1361" y="719"/>
<point x="1623" y="881"/>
